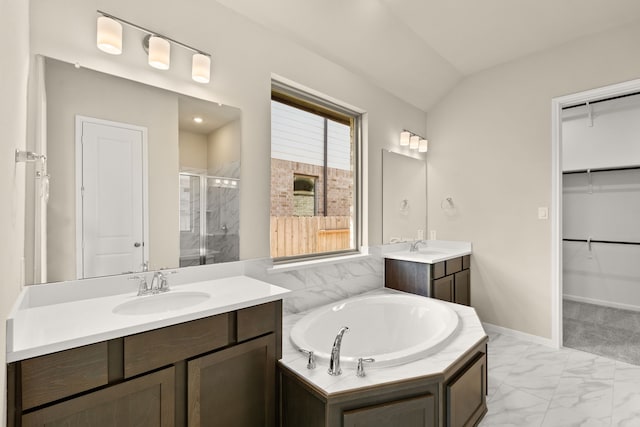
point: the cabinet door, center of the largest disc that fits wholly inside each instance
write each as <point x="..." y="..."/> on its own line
<point x="443" y="288"/>
<point x="462" y="289"/>
<point x="234" y="387"/>
<point x="407" y="276"/>
<point x="147" y="401"/>
<point x="414" y="412"/>
<point x="466" y="395"/>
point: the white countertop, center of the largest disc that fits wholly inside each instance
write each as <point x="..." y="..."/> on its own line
<point x="34" y="330"/>
<point x="431" y="251"/>
<point x="470" y="333"/>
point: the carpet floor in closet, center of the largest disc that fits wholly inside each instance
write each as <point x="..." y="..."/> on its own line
<point x="605" y="331"/>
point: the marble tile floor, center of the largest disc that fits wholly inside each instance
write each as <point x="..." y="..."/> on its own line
<point x="606" y="331"/>
<point x="534" y="385"/>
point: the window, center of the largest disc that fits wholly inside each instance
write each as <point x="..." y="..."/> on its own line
<point x="314" y="179"/>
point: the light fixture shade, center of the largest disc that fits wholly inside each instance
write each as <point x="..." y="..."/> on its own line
<point x="109" y="35"/>
<point x="414" y="142"/>
<point x="423" y="146"/>
<point x="404" y="138"/>
<point x="201" y="68"/>
<point x="159" y="53"/>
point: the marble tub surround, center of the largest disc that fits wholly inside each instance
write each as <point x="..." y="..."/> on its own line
<point x="429" y="251"/>
<point x="469" y="334"/>
<point x="534" y="385"/>
<point x="314" y="285"/>
<point x="59" y="324"/>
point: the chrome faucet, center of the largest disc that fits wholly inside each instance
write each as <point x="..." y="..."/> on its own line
<point x="160" y="283"/>
<point x="334" y="362"/>
<point x="414" y="245"/>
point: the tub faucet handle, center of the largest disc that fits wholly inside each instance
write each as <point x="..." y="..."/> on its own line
<point x="360" y="369"/>
<point x="311" y="361"/>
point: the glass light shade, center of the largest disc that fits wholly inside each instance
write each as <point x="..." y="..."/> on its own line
<point x="159" y="53"/>
<point x="109" y="35"/>
<point x="414" y="142"/>
<point x="201" y="68"/>
<point x="404" y="138"/>
<point x="423" y="146"/>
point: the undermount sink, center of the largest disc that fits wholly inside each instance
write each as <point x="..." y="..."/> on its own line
<point x="160" y="303"/>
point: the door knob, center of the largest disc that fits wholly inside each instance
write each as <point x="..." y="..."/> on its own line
<point x="137" y="244"/>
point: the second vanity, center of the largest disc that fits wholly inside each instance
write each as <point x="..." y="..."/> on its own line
<point x="81" y="362"/>
<point x="437" y="269"/>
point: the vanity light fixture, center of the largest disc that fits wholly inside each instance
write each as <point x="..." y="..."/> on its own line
<point x="109" y="35"/>
<point x="201" y="67"/>
<point x="159" y="53"/>
<point x="413" y="141"/>
<point x="404" y="138"/>
<point x="109" y="39"/>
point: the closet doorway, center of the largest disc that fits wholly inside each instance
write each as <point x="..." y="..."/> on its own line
<point x="599" y="231"/>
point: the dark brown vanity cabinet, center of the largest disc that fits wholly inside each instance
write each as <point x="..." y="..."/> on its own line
<point x="448" y="280"/>
<point x="215" y="371"/>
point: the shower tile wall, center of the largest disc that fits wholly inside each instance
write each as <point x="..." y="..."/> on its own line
<point x="223" y="216"/>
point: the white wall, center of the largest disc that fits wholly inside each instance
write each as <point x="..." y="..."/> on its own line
<point x="244" y="57"/>
<point x="14" y="27"/>
<point x="490" y="150"/>
<point x="606" y="274"/>
<point x="192" y="150"/>
<point x="610" y="138"/>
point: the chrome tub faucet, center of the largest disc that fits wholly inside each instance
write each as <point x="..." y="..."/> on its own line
<point x="334" y="362"/>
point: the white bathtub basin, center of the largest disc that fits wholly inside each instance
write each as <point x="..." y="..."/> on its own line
<point x="392" y="329"/>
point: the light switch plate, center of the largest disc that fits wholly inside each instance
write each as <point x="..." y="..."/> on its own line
<point x="543" y="213"/>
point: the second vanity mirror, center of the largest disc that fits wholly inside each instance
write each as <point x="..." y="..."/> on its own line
<point x="130" y="182"/>
<point x="404" y="197"/>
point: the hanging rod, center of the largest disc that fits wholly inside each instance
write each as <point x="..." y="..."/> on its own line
<point x="616" y="242"/>
<point x="601" y="100"/>
<point x="620" y="168"/>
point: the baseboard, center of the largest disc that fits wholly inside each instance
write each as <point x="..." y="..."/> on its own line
<point x="602" y="302"/>
<point x="520" y="335"/>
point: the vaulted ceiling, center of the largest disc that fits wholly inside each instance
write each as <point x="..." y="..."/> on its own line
<point x="419" y="49"/>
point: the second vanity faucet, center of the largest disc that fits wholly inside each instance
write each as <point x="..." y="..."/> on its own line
<point x="334" y="362"/>
<point x="414" y="245"/>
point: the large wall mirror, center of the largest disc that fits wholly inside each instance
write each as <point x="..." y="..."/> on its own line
<point x="404" y="197"/>
<point x="135" y="178"/>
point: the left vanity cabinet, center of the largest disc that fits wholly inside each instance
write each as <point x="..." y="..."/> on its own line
<point x="214" y="371"/>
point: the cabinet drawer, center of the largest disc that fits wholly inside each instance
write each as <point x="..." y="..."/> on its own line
<point x="438" y="270"/>
<point x="150" y="350"/>
<point x="453" y="265"/>
<point x="466" y="262"/>
<point x="54" y="376"/>
<point x="257" y="320"/>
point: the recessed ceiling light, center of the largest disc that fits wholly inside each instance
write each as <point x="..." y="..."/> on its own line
<point x="198" y="120"/>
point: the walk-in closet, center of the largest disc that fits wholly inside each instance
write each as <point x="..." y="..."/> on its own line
<point x="601" y="227"/>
